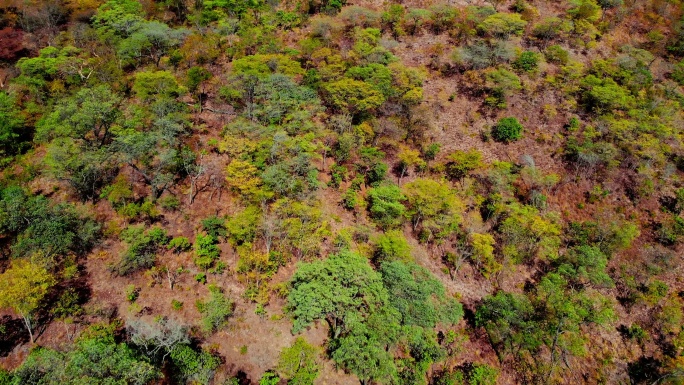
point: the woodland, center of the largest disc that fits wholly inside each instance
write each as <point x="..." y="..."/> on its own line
<point x="407" y="192"/>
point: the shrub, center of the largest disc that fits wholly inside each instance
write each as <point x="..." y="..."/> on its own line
<point x="430" y="151"/>
<point x="179" y="245"/>
<point x="507" y="130"/>
<point x="176" y="304"/>
<point x="337" y="175"/>
<point x="132" y="293"/>
<point x="169" y="202"/>
<point x="482" y="374"/>
<point x="556" y="54"/>
<point x="201" y="278"/>
<point x="527" y="61"/>
<point x="206" y="251"/>
<point x="142" y="248"/>
<point x="350" y="199"/>
<point x="216" y="310"/>
<point x="269" y="378"/>
<point x="461" y="163"/>
<point x="192" y="366"/>
<point x="678" y="73"/>
<point x="214" y="226"/>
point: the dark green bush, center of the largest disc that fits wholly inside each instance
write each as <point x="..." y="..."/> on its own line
<point x="507" y="130"/>
<point x="142" y="248"/>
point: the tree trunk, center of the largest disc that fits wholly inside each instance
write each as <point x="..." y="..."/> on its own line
<point x="27" y="323"/>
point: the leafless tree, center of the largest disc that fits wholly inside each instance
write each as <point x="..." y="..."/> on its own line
<point x="157" y="339"/>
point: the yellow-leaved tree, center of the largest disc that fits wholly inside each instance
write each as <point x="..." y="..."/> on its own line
<point x="22" y="287"/>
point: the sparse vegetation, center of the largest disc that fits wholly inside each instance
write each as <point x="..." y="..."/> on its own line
<point x="386" y="169"/>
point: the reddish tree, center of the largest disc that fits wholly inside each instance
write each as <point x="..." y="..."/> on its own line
<point x="11" y="44"/>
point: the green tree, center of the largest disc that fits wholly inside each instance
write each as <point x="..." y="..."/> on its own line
<point x="150" y="40"/>
<point x="43" y="230"/>
<point x="604" y="94"/>
<point x="377" y="75"/>
<point x="333" y="290"/>
<point x="409" y="158"/>
<point x="11" y="126"/>
<point x="586" y="265"/>
<point x="87" y="117"/>
<point x="216" y="310"/>
<point x="206" y="251"/>
<point x="150" y="144"/>
<point x="299" y="363"/>
<point x="677" y="73"/>
<point x="196" y="76"/>
<point x="483" y="253"/>
<point x="481" y="55"/>
<point x="565" y="310"/>
<point x="269" y="378"/>
<point x="526" y="234"/>
<point x="243" y="178"/>
<point x="371" y="165"/>
<point x="384" y="205"/>
<point x="353" y="96"/>
<point x="118" y="18"/>
<point x="194" y="366"/>
<point x="551" y="28"/>
<point x="22" y="289"/>
<point x="391" y="246"/>
<point x="552" y="317"/>
<point x="500" y="82"/>
<point x="243" y="227"/>
<point x="86" y="171"/>
<point x="585" y="10"/>
<point x="502" y="25"/>
<point x="96" y="358"/>
<point x="510" y="323"/>
<point x="162" y="84"/>
<point x="433" y="208"/>
<point x="363" y="349"/>
<point x="482" y="374"/>
<point x="418" y="296"/>
<point x="507" y="130"/>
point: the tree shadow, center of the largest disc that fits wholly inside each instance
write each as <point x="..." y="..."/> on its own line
<point x="12" y="334"/>
<point x="44" y="316"/>
<point x="644" y="370"/>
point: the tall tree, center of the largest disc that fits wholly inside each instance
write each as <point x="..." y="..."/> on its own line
<point x="334" y="289"/>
